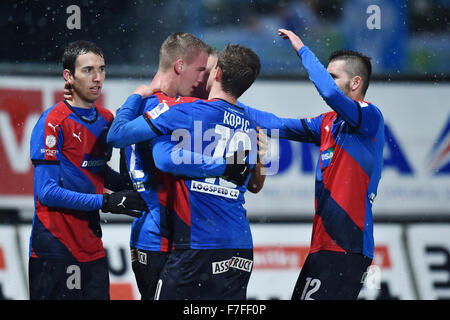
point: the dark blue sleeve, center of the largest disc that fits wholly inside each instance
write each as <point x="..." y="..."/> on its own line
<point x="114" y="180"/>
<point x="129" y="127"/>
<point x="49" y="193"/>
<point x="170" y="119"/>
<point x="288" y="128"/>
<point x="171" y="157"/>
<point x="347" y="108"/>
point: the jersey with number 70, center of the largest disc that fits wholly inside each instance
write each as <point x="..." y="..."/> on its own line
<point x="209" y="212"/>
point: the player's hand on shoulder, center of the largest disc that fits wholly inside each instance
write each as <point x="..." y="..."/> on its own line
<point x="147" y="90"/>
<point x="143" y="90"/>
<point x="68" y="91"/>
<point x="127" y="202"/>
<point x="296" y="42"/>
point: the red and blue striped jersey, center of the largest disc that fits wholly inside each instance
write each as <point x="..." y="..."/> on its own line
<point x="163" y="192"/>
<point x="69" y="154"/>
<point x="347" y="177"/>
<point x="351" y="141"/>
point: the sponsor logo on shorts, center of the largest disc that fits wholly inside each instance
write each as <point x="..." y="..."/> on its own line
<point x="141" y="257"/>
<point x="235" y="262"/>
<point x="214" y="189"/>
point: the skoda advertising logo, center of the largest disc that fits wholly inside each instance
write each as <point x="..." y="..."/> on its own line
<point x="440" y="152"/>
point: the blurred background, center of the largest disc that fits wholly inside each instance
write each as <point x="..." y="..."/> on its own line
<point x="409" y="43"/>
<point x="412" y="39"/>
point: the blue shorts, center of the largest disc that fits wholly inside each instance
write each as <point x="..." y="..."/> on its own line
<point x="68" y="279"/>
<point x="147" y="266"/>
<point x="330" y="275"/>
<point x="219" y="274"/>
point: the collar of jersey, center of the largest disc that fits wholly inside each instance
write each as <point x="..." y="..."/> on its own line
<point x="228" y="103"/>
<point x="81" y="116"/>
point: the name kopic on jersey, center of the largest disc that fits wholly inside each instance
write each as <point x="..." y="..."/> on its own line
<point x="235" y="262"/>
<point x="236" y="121"/>
<point x="214" y="189"/>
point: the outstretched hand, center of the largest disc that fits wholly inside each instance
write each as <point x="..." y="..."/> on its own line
<point x="295" y="39"/>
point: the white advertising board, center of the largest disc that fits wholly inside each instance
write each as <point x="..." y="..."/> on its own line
<point x="281" y="249"/>
<point x="410" y="261"/>
<point x="429" y="247"/>
<point x="13" y="283"/>
<point x="116" y="239"/>
<point x="416" y="174"/>
<point x="390" y="276"/>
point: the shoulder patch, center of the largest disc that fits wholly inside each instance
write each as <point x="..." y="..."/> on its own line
<point x="158" y="110"/>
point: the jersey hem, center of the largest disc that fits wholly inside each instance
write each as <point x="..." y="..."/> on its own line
<point x="62" y="256"/>
<point x="325" y="248"/>
<point x="150" y="248"/>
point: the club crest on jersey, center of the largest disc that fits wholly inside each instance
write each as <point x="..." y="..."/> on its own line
<point x="50" y="141"/>
<point x="158" y="110"/>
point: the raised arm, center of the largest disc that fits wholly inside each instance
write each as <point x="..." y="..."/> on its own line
<point x="347" y="108"/>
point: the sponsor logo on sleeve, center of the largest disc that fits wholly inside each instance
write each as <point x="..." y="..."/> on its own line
<point x="158" y="110"/>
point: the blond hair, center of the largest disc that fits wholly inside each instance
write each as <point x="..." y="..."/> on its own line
<point x="180" y="45"/>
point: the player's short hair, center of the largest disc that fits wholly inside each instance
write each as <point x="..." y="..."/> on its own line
<point x="240" y="67"/>
<point x="212" y="51"/>
<point x="77" y="48"/>
<point x="180" y="45"/>
<point x="356" y="64"/>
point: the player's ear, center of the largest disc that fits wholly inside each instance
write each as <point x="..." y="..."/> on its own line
<point x="178" y="66"/>
<point x="218" y="76"/>
<point x="356" y="83"/>
<point x="68" y="76"/>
